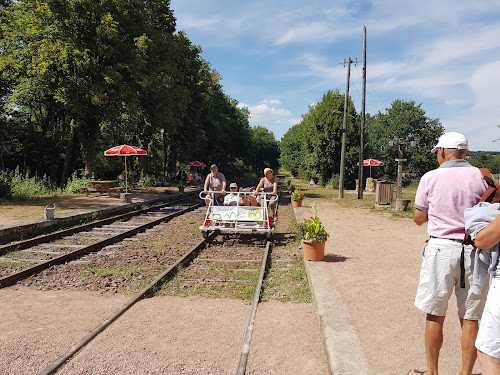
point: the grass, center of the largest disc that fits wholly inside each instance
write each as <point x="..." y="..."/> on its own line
<point x="351" y="200"/>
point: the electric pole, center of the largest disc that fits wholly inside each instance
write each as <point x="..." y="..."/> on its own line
<point x="362" y="126"/>
<point x="344" y="132"/>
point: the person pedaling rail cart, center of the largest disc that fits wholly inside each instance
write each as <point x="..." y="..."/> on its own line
<point x="269" y="185"/>
<point x="215" y="181"/>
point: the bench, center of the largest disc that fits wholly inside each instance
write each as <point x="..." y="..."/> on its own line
<point x="114" y="190"/>
<point x="89" y="190"/>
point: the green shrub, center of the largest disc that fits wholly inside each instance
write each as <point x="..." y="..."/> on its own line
<point x="75" y="183"/>
<point x="25" y="186"/>
<point x="149" y="181"/>
<point x="334" y="181"/>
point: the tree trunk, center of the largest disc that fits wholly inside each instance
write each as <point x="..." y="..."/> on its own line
<point x="88" y="133"/>
<point x="70" y="156"/>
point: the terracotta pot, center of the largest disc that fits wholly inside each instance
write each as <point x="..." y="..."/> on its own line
<point x="313" y="250"/>
<point x="297" y="203"/>
<point x="181" y="190"/>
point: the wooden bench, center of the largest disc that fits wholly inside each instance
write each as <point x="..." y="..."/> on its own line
<point x="89" y="190"/>
<point x="114" y="190"/>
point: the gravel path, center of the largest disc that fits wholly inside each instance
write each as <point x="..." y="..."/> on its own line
<point x="374" y="262"/>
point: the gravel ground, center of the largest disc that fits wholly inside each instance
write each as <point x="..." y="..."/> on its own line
<point x="163" y="334"/>
<point x="374" y="263"/>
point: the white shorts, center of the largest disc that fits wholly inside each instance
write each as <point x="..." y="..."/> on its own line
<point x="488" y="337"/>
<point x="440" y="274"/>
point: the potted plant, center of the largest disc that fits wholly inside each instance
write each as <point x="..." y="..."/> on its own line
<point x="181" y="185"/>
<point x="297" y="197"/>
<point x="313" y="235"/>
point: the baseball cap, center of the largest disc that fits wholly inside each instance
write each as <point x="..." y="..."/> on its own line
<point x="233" y="185"/>
<point x="452" y="140"/>
<point x="213" y="167"/>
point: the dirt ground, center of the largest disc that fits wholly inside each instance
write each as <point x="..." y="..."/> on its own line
<point x="374" y="261"/>
<point x="32" y="210"/>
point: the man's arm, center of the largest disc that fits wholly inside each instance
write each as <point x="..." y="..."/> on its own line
<point x="489" y="236"/>
<point x="420" y="216"/>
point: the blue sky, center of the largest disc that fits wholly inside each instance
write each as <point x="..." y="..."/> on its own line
<point x="279" y="57"/>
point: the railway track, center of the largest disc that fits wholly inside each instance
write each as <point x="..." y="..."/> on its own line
<point x="25" y="258"/>
<point x="238" y="263"/>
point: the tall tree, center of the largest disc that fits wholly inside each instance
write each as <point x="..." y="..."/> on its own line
<point x="84" y="54"/>
<point x="403" y="120"/>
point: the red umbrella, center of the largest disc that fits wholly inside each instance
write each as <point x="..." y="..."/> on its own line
<point x="125" y="150"/>
<point x="370" y="163"/>
<point x="196" y="164"/>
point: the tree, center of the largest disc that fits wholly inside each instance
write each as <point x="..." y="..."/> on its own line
<point x="320" y="133"/>
<point x="264" y="149"/>
<point x="407" y="121"/>
<point x="85" y="55"/>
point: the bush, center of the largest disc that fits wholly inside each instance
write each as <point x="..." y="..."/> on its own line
<point x="334" y="181"/>
<point x="75" y="183"/>
<point x="23" y="187"/>
<point x="150" y="181"/>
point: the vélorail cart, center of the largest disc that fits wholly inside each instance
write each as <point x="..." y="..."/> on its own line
<point x="237" y="218"/>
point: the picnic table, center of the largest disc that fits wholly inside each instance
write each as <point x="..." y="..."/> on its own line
<point x="104" y="187"/>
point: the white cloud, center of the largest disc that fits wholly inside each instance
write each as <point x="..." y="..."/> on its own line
<point x="263" y="113"/>
<point x="272" y="102"/>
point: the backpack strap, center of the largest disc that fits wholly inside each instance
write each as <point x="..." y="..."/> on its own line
<point x="491" y="193"/>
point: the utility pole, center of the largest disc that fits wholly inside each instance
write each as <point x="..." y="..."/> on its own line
<point x="344" y="132"/>
<point x="362" y="126"/>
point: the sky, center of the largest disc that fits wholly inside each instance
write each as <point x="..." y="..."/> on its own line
<point x="278" y="57"/>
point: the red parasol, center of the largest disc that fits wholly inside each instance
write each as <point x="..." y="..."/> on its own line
<point x="371" y="163"/>
<point x="196" y="164"/>
<point x="125" y="150"/>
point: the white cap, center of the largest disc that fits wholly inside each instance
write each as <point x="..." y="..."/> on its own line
<point x="452" y="140"/>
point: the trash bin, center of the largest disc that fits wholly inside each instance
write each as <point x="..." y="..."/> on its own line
<point x="384" y="193"/>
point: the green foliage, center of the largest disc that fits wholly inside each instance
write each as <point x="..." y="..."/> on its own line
<point x="312" y="149"/>
<point x="485" y="160"/>
<point x="24" y="186"/>
<point x="334" y="181"/>
<point x="75" y="183"/>
<point x="83" y="76"/>
<point x="297" y="195"/>
<point x="149" y="181"/>
<point x="406" y="121"/>
<point x="311" y="229"/>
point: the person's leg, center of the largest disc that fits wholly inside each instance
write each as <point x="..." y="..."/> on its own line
<point x="489" y="365"/>
<point x="433" y="341"/>
<point x="253" y="201"/>
<point x="469" y="353"/>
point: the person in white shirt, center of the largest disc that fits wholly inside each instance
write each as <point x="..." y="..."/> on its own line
<point x="233" y="199"/>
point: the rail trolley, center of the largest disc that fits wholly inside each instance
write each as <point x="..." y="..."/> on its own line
<point x="238" y="218"/>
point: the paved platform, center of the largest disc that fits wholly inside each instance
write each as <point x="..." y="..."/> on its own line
<point x="343" y="349"/>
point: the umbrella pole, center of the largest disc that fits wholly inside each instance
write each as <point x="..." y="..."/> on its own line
<point x="126" y="176"/>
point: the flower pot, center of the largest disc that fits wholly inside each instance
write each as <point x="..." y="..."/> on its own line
<point x="313" y="250"/>
<point x="297" y="203"/>
<point x="181" y="190"/>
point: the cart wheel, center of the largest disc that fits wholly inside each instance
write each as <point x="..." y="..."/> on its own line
<point x="204" y="233"/>
<point x="268" y="235"/>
